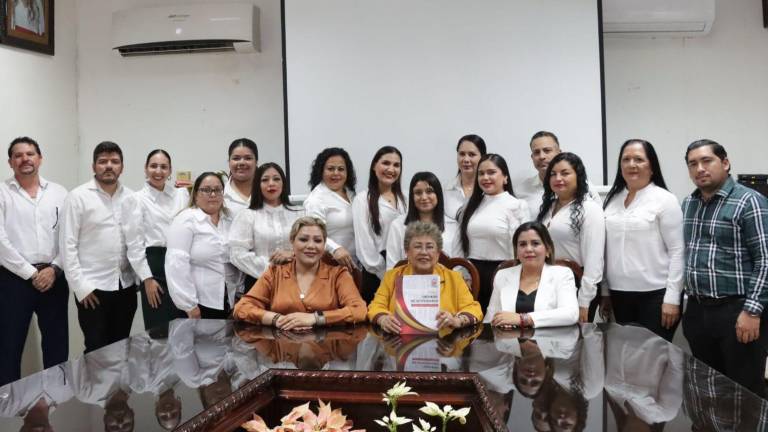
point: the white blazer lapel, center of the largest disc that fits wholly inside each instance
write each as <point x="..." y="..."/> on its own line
<point x="510" y="288"/>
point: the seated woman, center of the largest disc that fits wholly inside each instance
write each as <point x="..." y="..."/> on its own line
<point x="423" y="242"/>
<point x="305" y="292"/>
<point x="534" y="293"/>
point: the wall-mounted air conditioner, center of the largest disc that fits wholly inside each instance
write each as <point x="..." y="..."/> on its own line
<point x="657" y="18"/>
<point x="186" y="29"/>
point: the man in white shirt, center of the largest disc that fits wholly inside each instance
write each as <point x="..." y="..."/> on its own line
<point x="544" y="147"/>
<point x="94" y="252"/>
<point x="31" y="280"/>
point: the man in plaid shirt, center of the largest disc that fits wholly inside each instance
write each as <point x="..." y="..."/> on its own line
<point x="726" y="268"/>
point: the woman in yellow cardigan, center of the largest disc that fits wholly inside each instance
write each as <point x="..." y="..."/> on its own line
<point x="423" y="242"/>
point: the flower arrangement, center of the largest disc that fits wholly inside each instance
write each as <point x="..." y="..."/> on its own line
<point x="303" y="419"/>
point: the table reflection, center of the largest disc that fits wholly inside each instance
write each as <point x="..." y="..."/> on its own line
<point x="589" y="377"/>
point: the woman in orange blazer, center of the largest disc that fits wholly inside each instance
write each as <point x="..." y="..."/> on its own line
<point x="305" y="292"/>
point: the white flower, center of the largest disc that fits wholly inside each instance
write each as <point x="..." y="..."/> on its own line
<point x="460" y="414"/>
<point x="431" y="409"/>
<point x="393" y="420"/>
<point x="396" y="392"/>
<point x="425" y="427"/>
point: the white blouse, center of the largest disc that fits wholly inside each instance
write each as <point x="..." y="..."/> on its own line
<point x="256" y="234"/>
<point x="396" y="251"/>
<point x="492" y="225"/>
<point x="234" y="201"/>
<point x="368" y="245"/>
<point x="644" y="243"/>
<point x="555" y="303"/>
<point x="148" y="215"/>
<point x="336" y="212"/>
<point x="531" y="190"/>
<point x="585" y="248"/>
<point x="454" y="198"/>
<point x="197" y="264"/>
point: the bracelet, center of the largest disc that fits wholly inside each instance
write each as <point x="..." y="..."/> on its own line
<point x="319" y="318"/>
<point x="523" y="318"/>
<point x="275" y="317"/>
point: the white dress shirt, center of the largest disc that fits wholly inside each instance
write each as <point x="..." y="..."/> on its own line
<point x="453" y="197"/>
<point x="256" y="234"/>
<point x="555" y="303"/>
<point x="29" y="227"/>
<point x="644" y="243"/>
<point x="396" y="234"/>
<point x="531" y="190"/>
<point x="587" y="364"/>
<point x="148" y="215"/>
<point x="645" y="373"/>
<point x="336" y="212"/>
<point x="491" y="227"/>
<point x="585" y="248"/>
<point x="54" y="385"/>
<point x="199" y="349"/>
<point x="96" y="377"/>
<point x="197" y="264"/>
<point x="150" y="365"/>
<point x="368" y="245"/>
<point x="92" y="244"/>
<point x="233" y="200"/>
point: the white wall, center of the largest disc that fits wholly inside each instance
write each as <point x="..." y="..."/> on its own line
<point x="39" y="100"/>
<point x="191" y="105"/>
<point x="674" y="91"/>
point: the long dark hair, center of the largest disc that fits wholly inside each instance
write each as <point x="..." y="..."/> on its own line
<point x="438" y="214"/>
<point x="656" y="177"/>
<point x="257" y="199"/>
<point x="477" y="140"/>
<point x="318" y="166"/>
<point x="477" y="196"/>
<point x="577" y="208"/>
<point x="373" y="187"/>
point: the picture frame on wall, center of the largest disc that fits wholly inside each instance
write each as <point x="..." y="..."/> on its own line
<point x="27" y="24"/>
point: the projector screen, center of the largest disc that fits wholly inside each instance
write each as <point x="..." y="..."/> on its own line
<point x="419" y="74"/>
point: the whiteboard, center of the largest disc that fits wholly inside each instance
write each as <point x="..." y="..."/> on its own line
<point x="419" y="74"/>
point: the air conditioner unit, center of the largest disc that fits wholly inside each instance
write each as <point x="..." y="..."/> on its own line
<point x="186" y="28"/>
<point x="657" y="18"/>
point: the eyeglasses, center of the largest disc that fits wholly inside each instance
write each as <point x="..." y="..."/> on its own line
<point x="211" y="191"/>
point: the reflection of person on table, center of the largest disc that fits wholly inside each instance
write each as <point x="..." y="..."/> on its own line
<point x="534" y="293"/>
<point x="35" y="397"/>
<point x="310" y="350"/>
<point x="643" y="379"/>
<point x="305" y="292"/>
<point x="423" y="242"/>
<point x="28" y="16"/>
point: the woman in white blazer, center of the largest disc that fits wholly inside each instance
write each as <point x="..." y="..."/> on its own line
<point x="534" y="293"/>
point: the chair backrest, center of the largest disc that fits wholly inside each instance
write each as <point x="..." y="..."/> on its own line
<point x="578" y="272"/>
<point x="357" y="274"/>
<point x="452" y="263"/>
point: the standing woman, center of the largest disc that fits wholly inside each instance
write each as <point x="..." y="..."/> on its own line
<point x="260" y="234"/>
<point x="243" y="160"/>
<point x="469" y="150"/>
<point x="488" y="221"/>
<point x="576" y="224"/>
<point x="644" y="243"/>
<point x="425" y="204"/>
<point x="149" y="213"/>
<point x="333" y="187"/>
<point x="373" y="211"/>
<point x="201" y="280"/>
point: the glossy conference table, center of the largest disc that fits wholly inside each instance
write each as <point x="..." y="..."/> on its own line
<point x="593" y="377"/>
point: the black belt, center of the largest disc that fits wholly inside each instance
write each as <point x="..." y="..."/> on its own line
<point x="714" y="301"/>
<point x="40" y="266"/>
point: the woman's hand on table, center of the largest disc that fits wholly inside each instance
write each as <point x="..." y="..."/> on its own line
<point x="448" y="320"/>
<point x="388" y="323"/>
<point x="296" y="321"/>
<point x="506" y="320"/>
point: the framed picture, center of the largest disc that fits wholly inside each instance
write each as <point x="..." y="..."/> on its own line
<point x="27" y="24"/>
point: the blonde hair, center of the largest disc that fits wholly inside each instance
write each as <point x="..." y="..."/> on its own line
<point x="307" y="221"/>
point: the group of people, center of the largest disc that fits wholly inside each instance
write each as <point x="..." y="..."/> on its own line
<point x="196" y="255"/>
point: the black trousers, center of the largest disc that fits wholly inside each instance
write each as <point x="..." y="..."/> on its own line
<point x="110" y="320"/>
<point x="711" y="332"/>
<point x="370" y="283"/>
<point x="19" y="301"/>
<point x="643" y="309"/>
<point x="211" y="313"/>
<point x="486" y="269"/>
<point x="167" y="311"/>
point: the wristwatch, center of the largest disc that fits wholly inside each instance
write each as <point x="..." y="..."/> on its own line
<point x="319" y="318"/>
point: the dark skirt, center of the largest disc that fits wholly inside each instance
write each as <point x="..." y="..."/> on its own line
<point x="486" y="269"/>
<point x="167" y="310"/>
<point x="370" y="283"/>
